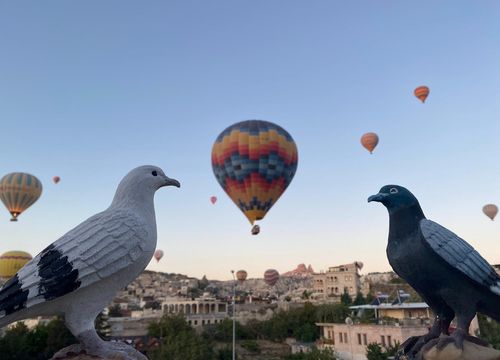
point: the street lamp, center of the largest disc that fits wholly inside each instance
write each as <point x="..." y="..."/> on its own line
<point x="234" y="314"/>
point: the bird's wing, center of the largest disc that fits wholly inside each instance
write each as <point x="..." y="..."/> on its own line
<point x="460" y="255"/>
<point x="97" y="248"/>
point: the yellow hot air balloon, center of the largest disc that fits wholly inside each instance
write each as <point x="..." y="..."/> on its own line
<point x="18" y="191"/>
<point x="490" y="210"/>
<point x="11" y="262"/>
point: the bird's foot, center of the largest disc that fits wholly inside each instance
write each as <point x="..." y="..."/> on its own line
<point x="456" y="338"/>
<point x="413" y="345"/>
<point x="104" y="350"/>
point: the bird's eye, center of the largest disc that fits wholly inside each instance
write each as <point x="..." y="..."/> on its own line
<point x="154" y="173"/>
<point x="393" y="191"/>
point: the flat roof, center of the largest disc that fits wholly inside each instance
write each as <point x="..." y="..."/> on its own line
<point x="414" y="305"/>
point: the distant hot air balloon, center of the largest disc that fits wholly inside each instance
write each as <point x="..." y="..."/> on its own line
<point x="213" y="199"/>
<point x="271" y="277"/>
<point x="158" y="255"/>
<point x="422" y="92"/>
<point x="56" y="179"/>
<point x="255" y="230"/>
<point x="11" y="262"/>
<point x="241" y="275"/>
<point x="369" y="141"/>
<point x="490" y="210"/>
<point x="254" y="161"/>
<point x="18" y="191"/>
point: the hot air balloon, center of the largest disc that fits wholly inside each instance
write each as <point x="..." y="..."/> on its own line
<point x="213" y="199"/>
<point x="11" y="262"/>
<point x="56" y="179"/>
<point x="490" y="210"/>
<point x="369" y="141"/>
<point x="255" y="230"/>
<point x="18" y="191"/>
<point x="158" y="255"/>
<point x="254" y="161"/>
<point x="422" y="92"/>
<point x="241" y="275"/>
<point x="271" y="277"/>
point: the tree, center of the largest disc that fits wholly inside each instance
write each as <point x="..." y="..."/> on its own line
<point x="489" y="330"/>
<point x="359" y="300"/>
<point x="345" y="298"/>
<point x="179" y="341"/>
<point x="115" y="311"/>
<point x="102" y="326"/>
<point x="314" y="354"/>
<point x="374" y="352"/>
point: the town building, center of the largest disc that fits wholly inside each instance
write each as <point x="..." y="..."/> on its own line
<point x="198" y="312"/>
<point x="337" y="280"/>
<point x="393" y="324"/>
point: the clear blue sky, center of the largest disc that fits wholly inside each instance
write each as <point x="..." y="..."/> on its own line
<point x="91" y="89"/>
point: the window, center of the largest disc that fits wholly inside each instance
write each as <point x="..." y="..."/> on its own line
<point x="389" y="340"/>
<point x="196" y="322"/>
<point x="329" y="335"/>
<point x="202" y="322"/>
<point x="359" y="339"/>
<point x="345" y="338"/>
<point x="365" y="342"/>
<point x="382" y="338"/>
<point x="340" y="338"/>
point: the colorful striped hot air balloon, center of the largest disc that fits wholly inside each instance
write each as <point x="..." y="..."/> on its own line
<point x="11" y="262"/>
<point x="18" y="191"/>
<point x="241" y="275"/>
<point x="213" y="199"/>
<point x="271" y="277"/>
<point x="56" y="179"/>
<point x="369" y="141"/>
<point x="254" y="161"/>
<point x="421" y="93"/>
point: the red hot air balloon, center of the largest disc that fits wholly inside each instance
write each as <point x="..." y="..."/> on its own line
<point x="369" y="141"/>
<point x="158" y="255"/>
<point x="271" y="277"/>
<point x="56" y="179"/>
<point x="213" y="199"/>
<point x="421" y="93"/>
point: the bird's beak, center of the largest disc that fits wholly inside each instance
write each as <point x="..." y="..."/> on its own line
<point x="377" y="197"/>
<point x="171" y="182"/>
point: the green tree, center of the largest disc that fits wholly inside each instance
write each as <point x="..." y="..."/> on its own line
<point x="102" y="326"/>
<point x="375" y="352"/>
<point x="115" y="311"/>
<point x="345" y="298"/>
<point x="314" y="354"/>
<point x="489" y="330"/>
<point x="359" y="300"/>
<point x="179" y="341"/>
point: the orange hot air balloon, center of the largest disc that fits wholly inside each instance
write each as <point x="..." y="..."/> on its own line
<point x="369" y="141"/>
<point x="158" y="255"/>
<point x="241" y="275"/>
<point x="490" y="210"/>
<point x="213" y="199"/>
<point x="56" y="179"/>
<point x="422" y="92"/>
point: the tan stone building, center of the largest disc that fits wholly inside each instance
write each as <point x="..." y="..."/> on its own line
<point x="198" y="312"/>
<point x="332" y="283"/>
<point x="394" y="323"/>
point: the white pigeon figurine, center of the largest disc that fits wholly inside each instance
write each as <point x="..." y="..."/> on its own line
<point x="79" y="274"/>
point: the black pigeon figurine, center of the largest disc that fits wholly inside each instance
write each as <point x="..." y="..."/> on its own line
<point x="452" y="278"/>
